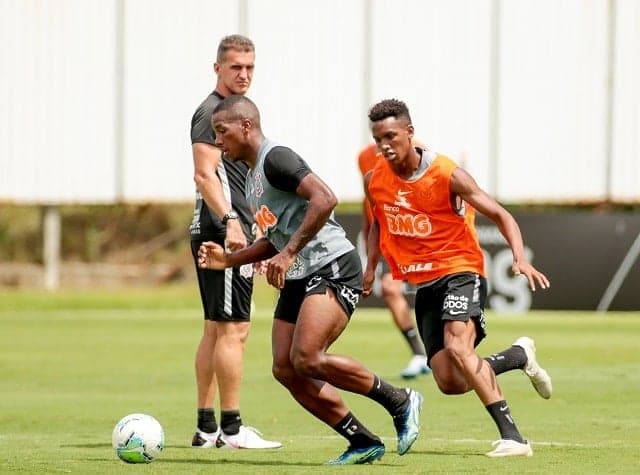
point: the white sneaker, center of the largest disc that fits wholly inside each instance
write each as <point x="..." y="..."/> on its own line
<point x="204" y="440"/>
<point x="538" y="376"/>
<point x="510" y="448"/>
<point x="417" y="365"/>
<point x="246" y="438"/>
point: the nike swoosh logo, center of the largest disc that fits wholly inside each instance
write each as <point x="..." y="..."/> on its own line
<point x="347" y="424"/>
<point x="404" y="193"/>
<point x="312" y="284"/>
<point x="457" y="312"/>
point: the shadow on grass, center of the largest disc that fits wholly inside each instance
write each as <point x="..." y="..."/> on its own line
<point x="447" y="453"/>
<point x="226" y="462"/>
<point x="284" y="459"/>
<point x="86" y="446"/>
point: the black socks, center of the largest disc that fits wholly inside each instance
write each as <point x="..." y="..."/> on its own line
<point x="357" y="434"/>
<point x="394" y="400"/>
<point x="207" y="420"/>
<point x="501" y="415"/>
<point x="230" y="422"/>
<point x="513" y="357"/>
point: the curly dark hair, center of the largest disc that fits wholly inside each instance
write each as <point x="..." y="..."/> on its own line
<point x="389" y="108"/>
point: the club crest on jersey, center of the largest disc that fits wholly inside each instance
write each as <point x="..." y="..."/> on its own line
<point x="246" y="271"/>
<point x="265" y="219"/>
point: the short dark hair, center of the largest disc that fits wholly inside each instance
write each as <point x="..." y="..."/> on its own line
<point x="242" y="107"/>
<point x="389" y="108"/>
<point x="236" y="42"/>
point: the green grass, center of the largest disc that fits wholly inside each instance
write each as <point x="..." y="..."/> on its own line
<point x="73" y="363"/>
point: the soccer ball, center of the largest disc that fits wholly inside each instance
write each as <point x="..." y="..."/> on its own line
<point x="137" y="438"/>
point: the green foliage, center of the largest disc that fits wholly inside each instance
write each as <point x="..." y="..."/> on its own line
<point x="19" y="233"/>
<point x="94" y="233"/>
<point x="103" y="233"/>
<point x="73" y="364"/>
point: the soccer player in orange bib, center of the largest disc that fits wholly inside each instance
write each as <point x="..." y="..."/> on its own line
<point x="393" y="290"/>
<point x="421" y="202"/>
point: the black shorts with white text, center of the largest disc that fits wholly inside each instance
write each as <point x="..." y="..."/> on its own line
<point x="343" y="276"/>
<point x="455" y="297"/>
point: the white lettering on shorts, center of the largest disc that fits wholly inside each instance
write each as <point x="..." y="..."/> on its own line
<point x="456" y="304"/>
<point x="350" y="295"/>
<point x="482" y="321"/>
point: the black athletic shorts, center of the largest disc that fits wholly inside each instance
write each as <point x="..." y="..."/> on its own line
<point x="343" y="275"/>
<point x="225" y="294"/>
<point x="457" y="297"/>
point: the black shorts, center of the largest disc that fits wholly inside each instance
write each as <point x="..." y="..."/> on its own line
<point x="344" y="276"/>
<point x="225" y="294"/>
<point x="458" y="297"/>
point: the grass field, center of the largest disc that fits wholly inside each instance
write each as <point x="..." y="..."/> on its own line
<point x="73" y="363"/>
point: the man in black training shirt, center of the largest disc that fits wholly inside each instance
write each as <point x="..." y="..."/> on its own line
<point x="221" y="215"/>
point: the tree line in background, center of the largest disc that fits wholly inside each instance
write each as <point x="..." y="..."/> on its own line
<point x="101" y="233"/>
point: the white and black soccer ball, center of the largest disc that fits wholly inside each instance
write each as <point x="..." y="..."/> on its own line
<point x="137" y="438"/>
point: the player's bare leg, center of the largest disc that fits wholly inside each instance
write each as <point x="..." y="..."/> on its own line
<point x="321" y="320"/>
<point x="319" y="398"/>
<point x="323" y="401"/>
<point x="207" y="430"/>
<point x="204" y="366"/>
<point x="228" y="361"/>
<point x="458" y="364"/>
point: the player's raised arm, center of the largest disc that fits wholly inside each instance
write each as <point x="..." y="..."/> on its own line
<point x="463" y="185"/>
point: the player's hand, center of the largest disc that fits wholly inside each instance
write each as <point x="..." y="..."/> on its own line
<point x="260" y="267"/>
<point x="277" y="268"/>
<point x="532" y="274"/>
<point x="369" y="278"/>
<point x="235" y="238"/>
<point x="211" y="256"/>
